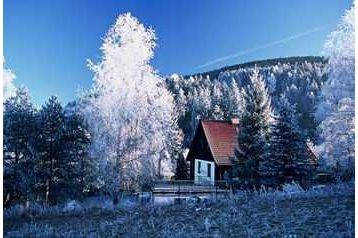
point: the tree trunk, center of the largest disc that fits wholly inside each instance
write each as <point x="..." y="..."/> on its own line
<point x="82" y="180"/>
<point x="159" y="168"/>
<point x="49" y="190"/>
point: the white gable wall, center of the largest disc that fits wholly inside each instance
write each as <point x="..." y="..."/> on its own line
<point x="202" y="175"/>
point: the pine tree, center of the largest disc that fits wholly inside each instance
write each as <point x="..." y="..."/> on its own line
<point x="286" y="159"/>
<point x="81" y="167"/>
<point x="19" y="148"/>
<point x="225" y="103"/>
<point x="254" y="125"/>
<point x="52" y="161"/>
<point x="216" y="112"/>
<point x="235" y="99"/>
<point x="231" y="102"/>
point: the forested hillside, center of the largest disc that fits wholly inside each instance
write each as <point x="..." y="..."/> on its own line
<point x="216" y="94"/>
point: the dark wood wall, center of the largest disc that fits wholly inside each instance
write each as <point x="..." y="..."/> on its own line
<point x="220" y="170"/>
<point x="199" y="149"/>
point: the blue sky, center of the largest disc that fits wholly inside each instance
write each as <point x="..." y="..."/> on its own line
<point x="46" y="43"/>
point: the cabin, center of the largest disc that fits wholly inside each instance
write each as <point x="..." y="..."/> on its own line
<point x="212" y="149"/>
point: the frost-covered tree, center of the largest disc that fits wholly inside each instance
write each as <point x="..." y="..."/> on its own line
<point x="336" y="110"/>
<point x="303" y="96"/>
<point x="286" y="159"/>
<point x="254" y="125"/>
<point x="9" y="88"/>
<point x="19" y="147"/>
<point x="231" y="102"/>
<point x="235" y="99"/>
<point x="131" y="113"/>
<point x="216" y="99"/>
<point x="337" y="149"/>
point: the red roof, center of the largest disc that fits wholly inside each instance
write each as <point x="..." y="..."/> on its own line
<point x="222" y="139"/>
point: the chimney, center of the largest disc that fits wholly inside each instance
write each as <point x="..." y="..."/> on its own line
<point x="235" y="121"/>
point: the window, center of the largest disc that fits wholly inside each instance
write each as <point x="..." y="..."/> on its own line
<point x="209" y="170"/>
<point x="199" y="167"/>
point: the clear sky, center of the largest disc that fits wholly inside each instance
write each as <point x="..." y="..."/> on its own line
<point x="46" y="43"/>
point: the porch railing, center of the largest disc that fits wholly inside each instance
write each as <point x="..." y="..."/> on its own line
<point x="189" y="186"/>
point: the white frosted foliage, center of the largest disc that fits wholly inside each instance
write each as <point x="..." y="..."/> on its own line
<point x="130" y="112"/>
<point x="336" y="110"/>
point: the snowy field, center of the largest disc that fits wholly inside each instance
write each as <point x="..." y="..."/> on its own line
<point x="319" y="212"/>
